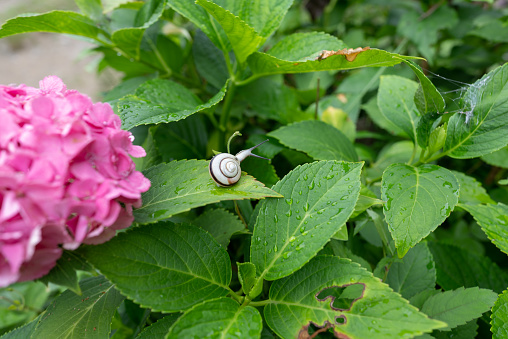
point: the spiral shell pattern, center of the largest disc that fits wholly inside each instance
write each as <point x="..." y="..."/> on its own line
<point x="225" y="169"/>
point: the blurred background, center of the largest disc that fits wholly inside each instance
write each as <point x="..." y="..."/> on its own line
<point x="28" y="58"/>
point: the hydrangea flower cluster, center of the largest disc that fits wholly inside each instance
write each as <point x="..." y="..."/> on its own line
<point x="66" y="177"/>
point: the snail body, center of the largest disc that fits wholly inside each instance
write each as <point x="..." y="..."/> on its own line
<point x="225" y="168"/>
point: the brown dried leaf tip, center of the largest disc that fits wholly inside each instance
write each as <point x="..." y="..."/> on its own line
<point x="349" y="53"/>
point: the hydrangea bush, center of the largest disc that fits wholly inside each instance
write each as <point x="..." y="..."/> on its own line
<point x="66" y="176"/>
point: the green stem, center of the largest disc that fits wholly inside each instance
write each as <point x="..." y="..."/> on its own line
<point x="235" y="296"/>
<point x="160" y="58"/>
<point x="226" y="111"/>
<point x="248" y="80"/>
<point x="415" y="148"/>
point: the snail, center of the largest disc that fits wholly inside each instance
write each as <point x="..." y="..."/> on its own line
<point x="225" y="168"/>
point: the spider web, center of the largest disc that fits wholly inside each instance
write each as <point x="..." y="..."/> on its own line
<point x="465" y="97"/>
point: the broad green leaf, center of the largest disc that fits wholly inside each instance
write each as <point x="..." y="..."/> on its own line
<point x="25" y="331"/>
<point x="471" y="191"/>
<point x="164" y="266"/>
<point x="467" y="331"/>
<point x="55" y="22"/>
<point x="318" y="139"/>
<point x="396" y="104"/>
<point x="110" y="5"/>
<point x="366" y="200"/>
<point x="419" y="299"/>
<point x="308" y="296"/>
<point x="20" y="302"/>
<point x="500" y="317"/>
<point x="129" y="39"/>
<point x="487" y="129"/>
<point x="498" y="158"/>
<point x="218" y="318"/>
<point x="152" y="157"/>
<point x="398" y="152"/>
<point x="90" y="8"/>
<point x="159" y="100"/>
<point x="64" y="272"/>
<point x="304" y="46"/>
<point x="459" y="306"/>
<point x="423" y="32"/>
<point x="263" y="15"/>
<point x="220" y="224"/>
<point x="184" y="139"/>
<point x="203" y="20"/>
<point x="427" y="98"/>
<point x="418" y="200"/>
<point x="318" y="199"/>
<point x="270" y="99"/>
<point x="79" y="316"/>
<point x="414" y="274"/>
<point x="494" y="30"/>
<point x="160" y="328"/>
<point x="263" y="171"/>
<point x="493" y="219"/>
<point x="244" y="39"/>
<point x="342" y="251"/>
<point x="263" y="64"/>
<point x="181" y="185"/>
<point x="209" y="60"/>
<point x="426" y="125"/>
<point x="479" y="271"/>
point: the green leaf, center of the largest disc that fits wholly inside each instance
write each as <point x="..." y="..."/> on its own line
<point x="64" y="272"/>
<point x="184" y="139"/>
<point x="263" y="15"/>
<point x="424" y="31"/>
<point x="272" y="100"/>
<point x="220" y="224"/>
<point x="426" y="125"/>
<point x="498" y="158"/>
<point x="25" y="331"/>
<point x="427" y="98"/>
<point x="414" y="274"/>
<point x="159" y="100"/>
<point x="342" y="251"/>
<point x="262" y="64"/>
<point x="78" y="316"/>
<point x="247" y="275"/>
<point x="244" y="39"/>
<point x="398" y="152"/>
<point x="467" y="331"/>
<point x="129" y="39"/>
<point x="218" y="318"/>
<point x="304" y="46"/>
<point x="419" y="299"/>
<point x="452" y="273"/>
<point x="418" y="200"/>
<point x="396" y="105"/>
<point x="318" y="139"/>
<point x="160" y="328"/>
<point x="152" y="157"/>
<point x="263" y="171"/>
<point x="55" y="22"/>
<point x="319" y="198"/>
<point x="493" y="219"/>
<point x="500" y="317"/>
<point x="164" y="266"/>
<point x="90" y="8"/>
<point x="471" y="191"/>
<point x="20" y="302"/>
<point x="181" y="185"/>
<point x="307" y="296"/>
<point x="209" y="60"/>
<point x="459" y="306"/>
<point x="203" y="20"/>
<point x="487" y="129"/>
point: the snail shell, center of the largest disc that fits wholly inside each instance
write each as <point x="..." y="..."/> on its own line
<point x="225" y="168"/>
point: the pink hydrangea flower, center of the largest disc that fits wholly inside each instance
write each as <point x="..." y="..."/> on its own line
<point x="66" y="176"/>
